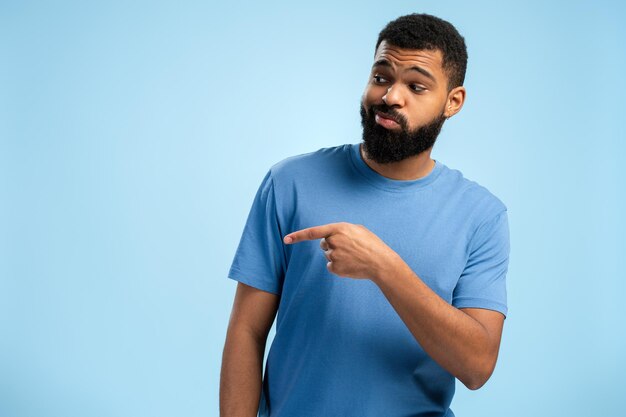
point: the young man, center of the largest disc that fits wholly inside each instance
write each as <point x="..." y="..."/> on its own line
<point x="386" y="267"/>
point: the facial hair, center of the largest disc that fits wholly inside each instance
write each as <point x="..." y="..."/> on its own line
<point x="384" y="146"/>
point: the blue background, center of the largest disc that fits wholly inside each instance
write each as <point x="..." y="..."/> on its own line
<point x="133" y="138"/>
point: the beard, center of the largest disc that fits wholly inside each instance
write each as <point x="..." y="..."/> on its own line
<point x="384" y="146"/>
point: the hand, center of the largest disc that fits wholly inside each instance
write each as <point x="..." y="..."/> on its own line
<point x="351" y="249"/>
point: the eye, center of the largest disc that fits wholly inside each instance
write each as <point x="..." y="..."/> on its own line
<point x="378" y="79"/>
<point x="417" y="88"/>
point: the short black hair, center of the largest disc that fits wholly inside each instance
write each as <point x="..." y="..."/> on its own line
<point x="424" y="31"/>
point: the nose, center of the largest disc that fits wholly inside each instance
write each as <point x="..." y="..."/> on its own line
<point x="393" y="96"/>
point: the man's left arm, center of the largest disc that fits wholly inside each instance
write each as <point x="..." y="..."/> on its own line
<point x="464" y="341"/>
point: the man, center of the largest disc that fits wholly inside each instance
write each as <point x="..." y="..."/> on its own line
<point x="386" y="267"/>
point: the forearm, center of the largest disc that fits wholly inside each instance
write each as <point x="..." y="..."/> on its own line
<point x="241" y="375"/>
<point x="455" y="340"/>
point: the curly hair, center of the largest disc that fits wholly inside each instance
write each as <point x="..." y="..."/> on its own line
<point x="424" y="31"/>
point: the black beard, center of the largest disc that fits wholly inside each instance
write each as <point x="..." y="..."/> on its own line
<point x="384" y="146"/>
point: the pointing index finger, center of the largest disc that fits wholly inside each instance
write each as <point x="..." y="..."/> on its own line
<point x="310" y="233"/>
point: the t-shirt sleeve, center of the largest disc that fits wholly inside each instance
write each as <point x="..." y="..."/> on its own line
<point x="259" y="260"/>
<point x="483" y="281"/>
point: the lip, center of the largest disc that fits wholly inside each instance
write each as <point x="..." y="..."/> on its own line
<point x="386" y="120"/>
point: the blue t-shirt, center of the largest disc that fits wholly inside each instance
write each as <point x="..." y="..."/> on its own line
<point x="340" y="348"/>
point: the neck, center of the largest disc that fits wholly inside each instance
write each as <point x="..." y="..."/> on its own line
<point x="412" y="168"/>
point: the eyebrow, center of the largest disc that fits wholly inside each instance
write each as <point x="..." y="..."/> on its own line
<point x="384" y="63"/>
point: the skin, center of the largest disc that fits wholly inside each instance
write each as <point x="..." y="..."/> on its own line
<point x="251" y="318"/>
<point x="414" y="96"/>
<point x="464" y="341"/>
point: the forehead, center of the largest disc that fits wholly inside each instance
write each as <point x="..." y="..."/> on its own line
<point x="430" y="60"/>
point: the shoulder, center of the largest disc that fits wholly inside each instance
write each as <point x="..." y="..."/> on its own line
<point x="481" y="202"/>
<point x="318" y="162"/>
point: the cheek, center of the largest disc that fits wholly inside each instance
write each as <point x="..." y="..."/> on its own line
<point x="425" y="109"/>
<point x="373" y="93"/>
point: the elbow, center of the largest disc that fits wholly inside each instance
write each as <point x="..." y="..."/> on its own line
<point x="479" y="377"/>
<point x="475" y="384"/>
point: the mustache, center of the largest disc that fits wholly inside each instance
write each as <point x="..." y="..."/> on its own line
<point x="386" y="109"/>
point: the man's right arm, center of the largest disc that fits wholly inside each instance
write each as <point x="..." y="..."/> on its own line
<point x="251" y="318"/>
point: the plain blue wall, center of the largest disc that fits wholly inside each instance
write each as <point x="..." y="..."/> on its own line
<point x="133" y="138"/>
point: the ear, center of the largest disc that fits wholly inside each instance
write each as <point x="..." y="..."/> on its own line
<point x="454" y="103"/>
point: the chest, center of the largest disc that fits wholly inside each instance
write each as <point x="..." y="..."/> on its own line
<point x="430" y="236"/>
